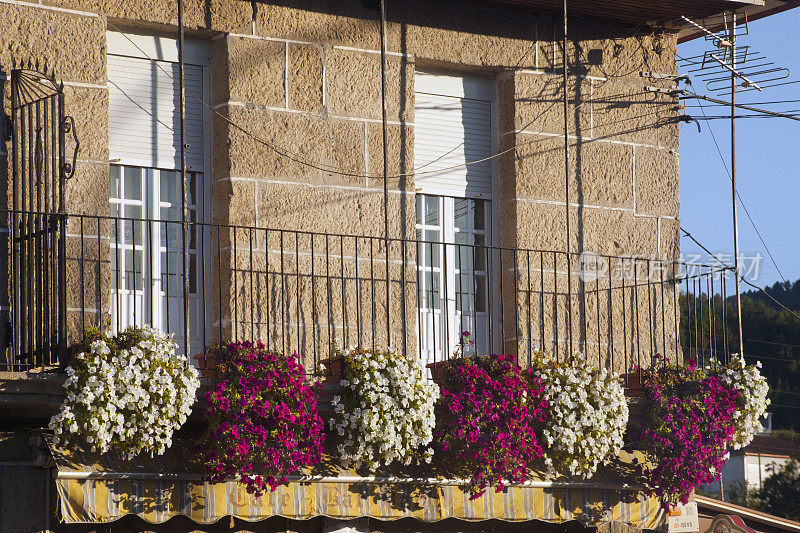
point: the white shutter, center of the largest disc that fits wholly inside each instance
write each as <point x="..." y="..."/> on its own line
<point x="144" y="113"/>
<point x="453" y="126"/>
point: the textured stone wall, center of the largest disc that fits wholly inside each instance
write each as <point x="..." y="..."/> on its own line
<point x="303" y="76"/>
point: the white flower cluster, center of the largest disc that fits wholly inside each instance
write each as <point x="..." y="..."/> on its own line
<point x="587" y="416"/>
<point x="753" y="387"/>
<point x="128" y="399"/>
<point x="387" y="412"/>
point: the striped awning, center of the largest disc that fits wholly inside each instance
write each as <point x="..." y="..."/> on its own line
<point x="95" y="488"/>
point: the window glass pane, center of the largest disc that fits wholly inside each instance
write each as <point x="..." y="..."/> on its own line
<point x="133" y="269"/>
<point x="480" y="294"/>
<point x="479" y="253"/>
<point x="132" y="183"/>
<point x="431" y="211"/>
<point x="418" y="201"/>
<point x="170" y="227"/>
<point x="113" y="210"/>
<point x="432" y="291"/>
<point x="114" y="252"/>
<point x="464" y="258"/>
<point x="170" y="186"/>
<point x="432" y="250"/>
<point x="113" y="182"/>
<point x="461" y="209"/>
<point x="171" y="267"/>
<point x="193" y="177"/>
<point x="133" y="226"/>
<point x="193" y="274"/>
<point x="193" y="229"/>
<point x="464" y="288"/>
<point x="480" y="214"/>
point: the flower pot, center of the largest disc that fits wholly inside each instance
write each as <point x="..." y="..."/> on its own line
<point x="439" y="368"/>
<point x="335" y="368"/>
<point x="206" y="364"/>
<point x="634" y="384"/>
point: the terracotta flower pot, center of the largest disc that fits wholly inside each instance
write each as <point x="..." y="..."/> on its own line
<point x="335" y="368"/>
<point x="438" y="369"/>
<point x="207" y="364"/>
<point x="634" y="385"/>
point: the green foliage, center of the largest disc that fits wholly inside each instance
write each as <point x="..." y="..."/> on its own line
<point x="780" y="493"/>
<point x="789" y="435"/>
<point x="767" y="330"/>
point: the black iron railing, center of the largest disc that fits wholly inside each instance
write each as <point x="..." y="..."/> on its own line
<point x="308" y="292"/>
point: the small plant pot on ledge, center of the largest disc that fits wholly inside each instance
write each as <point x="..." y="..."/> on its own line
<point x="206" y="364"/>
<point x="439" y="368"/>
<point x="334" y="369"/>
<point x="634" y="384"/>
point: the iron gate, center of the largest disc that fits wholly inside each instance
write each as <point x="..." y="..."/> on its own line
<point x="37" y="218"/>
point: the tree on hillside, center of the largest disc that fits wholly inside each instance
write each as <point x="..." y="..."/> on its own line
<point x="771" y="335"/>
<point x="780" y="492"/>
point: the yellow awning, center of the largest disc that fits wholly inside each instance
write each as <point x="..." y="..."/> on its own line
<point x="97" y="488"/>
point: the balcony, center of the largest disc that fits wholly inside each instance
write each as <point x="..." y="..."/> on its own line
<point x="308" y="292"/>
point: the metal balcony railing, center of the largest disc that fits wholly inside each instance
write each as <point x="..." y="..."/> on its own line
<point x="308" y="292"/>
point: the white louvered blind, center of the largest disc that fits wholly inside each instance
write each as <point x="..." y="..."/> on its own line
<point x="144" y="113"/>
<point x="453" y="126"/>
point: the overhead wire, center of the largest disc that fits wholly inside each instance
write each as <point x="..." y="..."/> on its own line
<point x="742" y="278"/>
<point x="750" y="218"/>
<point x="298" y="158"/>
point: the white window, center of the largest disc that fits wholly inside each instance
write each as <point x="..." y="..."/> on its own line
<point x="145" y="188"/>
<point x="453" y="129"/>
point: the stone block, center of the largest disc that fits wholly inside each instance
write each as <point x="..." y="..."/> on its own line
<point x="221" y="132"/>
<point x="305" y="77"/>
<point x="333" y="210"/>
<point x="86" y="192"/>
<point x="474" y="36"/>
<point x="305" y="147"/>
<point x="540" y="108"/>
<point x="234" y="202"/>
<point x="353" y="85"/>
<point x="89" y="108"/>
<point x="600" y="172"/>
<point x="71" y="44"/>
<point x="541" y="226"/>
<point x="615" y="54"/>
<point x="401" y="156"/>
<point x="346" y="23"/>
<point x="656" y="173"/>
<point x="216" y="15"/>
<point x="256" y="71"/>
<point x="670" y="239"/>
<point x="506" y="102"/>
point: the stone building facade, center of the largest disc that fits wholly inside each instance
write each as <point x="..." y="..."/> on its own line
<point x="294" y="142"/>
<point x="294" y="146"/>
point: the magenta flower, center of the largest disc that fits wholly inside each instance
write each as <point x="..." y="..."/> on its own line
<point x="262" y="416"/>
<point x="488" y="419"/>
<point x="689" y="427"/>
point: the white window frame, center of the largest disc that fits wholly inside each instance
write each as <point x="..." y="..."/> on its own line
<point x="159" y="48"/>
<point x="442" y="323"/>
<point x="428" y="328"/>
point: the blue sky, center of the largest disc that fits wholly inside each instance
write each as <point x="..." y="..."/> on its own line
<point x="768" y="162"/>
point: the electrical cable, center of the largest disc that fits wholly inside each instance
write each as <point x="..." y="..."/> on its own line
<point x="752" y="222"/>
<point x="742" y="278"/>
<point x="298" y="158"/>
